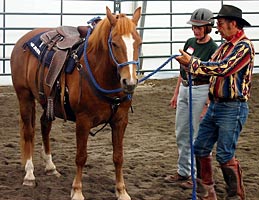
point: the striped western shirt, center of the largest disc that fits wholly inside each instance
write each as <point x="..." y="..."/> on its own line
<point x="230" y="68"/>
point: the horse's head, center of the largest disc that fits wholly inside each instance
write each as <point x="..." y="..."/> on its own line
<point x="124" y="45"/>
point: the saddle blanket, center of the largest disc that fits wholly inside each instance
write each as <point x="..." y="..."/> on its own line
<point x="39" y="49"/>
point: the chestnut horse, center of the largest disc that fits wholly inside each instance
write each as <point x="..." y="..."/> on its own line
<point x="111" y="53"/>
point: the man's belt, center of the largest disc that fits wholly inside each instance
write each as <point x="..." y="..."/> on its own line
<point x="221" y="100"/>
<point x="194" y="82"/>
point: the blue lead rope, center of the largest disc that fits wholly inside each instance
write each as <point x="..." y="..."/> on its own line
<point x="141" y="80"/>
<point x="191" y="138"/>
<point x="155" y="71"/>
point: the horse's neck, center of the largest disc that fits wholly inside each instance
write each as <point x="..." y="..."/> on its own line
<point x="102" y="68"/>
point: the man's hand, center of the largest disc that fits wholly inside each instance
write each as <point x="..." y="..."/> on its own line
<point x="184" y="59"/>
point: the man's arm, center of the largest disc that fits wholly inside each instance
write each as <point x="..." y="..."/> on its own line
<point x="240" y="57"/>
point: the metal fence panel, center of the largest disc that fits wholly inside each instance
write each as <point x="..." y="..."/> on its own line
<point x="162" y="26"/>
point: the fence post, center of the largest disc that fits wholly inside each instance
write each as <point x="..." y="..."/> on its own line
<point x="117" y="6"/>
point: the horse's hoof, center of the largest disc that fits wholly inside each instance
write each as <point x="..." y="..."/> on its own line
<point x="124" y="196"/>
<point x="53" y="172"/>
<point x="30" y="183"/>
<point x="75" y="195"/>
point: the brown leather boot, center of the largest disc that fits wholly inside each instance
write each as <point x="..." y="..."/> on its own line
<point x="205" y="183"/>
<point x="232" y="174"/>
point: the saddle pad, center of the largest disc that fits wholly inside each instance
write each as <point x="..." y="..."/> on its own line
<point x="39" y="49"/>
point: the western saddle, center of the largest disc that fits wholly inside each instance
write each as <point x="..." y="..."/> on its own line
<point x="63" y="40"/>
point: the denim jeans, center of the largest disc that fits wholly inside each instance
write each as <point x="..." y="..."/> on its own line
<point x="222" y="124"/>
<point x="182" y="130"/>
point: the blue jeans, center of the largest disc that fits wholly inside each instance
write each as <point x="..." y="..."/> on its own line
<point x="182" y="128"/>
<point x="222" y="123"/>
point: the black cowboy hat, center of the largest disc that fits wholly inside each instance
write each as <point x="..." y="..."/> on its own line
<point x="231" y="12"/>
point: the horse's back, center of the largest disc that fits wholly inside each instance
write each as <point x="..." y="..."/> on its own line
<point x="23" y="62"/>
<point x="19" y="46"/>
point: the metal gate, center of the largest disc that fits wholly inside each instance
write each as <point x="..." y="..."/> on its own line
<point x="162" y="26"/>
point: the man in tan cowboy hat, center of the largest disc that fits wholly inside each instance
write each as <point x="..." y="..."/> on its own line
<point x="230" y="69"/>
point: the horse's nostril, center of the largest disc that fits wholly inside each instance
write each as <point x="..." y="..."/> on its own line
<point x="124" y="81"/>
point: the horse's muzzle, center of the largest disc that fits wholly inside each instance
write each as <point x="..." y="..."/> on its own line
<point x="129" y="86"/>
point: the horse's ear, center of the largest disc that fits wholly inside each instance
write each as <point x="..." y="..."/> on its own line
<point x="110" y="16"/>
<point x="136" y="15"/>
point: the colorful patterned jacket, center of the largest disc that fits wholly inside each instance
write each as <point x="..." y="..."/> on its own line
<point x="230" y="68"/>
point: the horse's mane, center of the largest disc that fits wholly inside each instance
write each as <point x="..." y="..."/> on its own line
<point x="100" y="35"/>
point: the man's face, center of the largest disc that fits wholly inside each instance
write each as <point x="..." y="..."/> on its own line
<point x="226" y="28"/>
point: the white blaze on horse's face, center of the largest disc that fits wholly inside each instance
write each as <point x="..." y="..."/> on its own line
<point x="128" y="40"/>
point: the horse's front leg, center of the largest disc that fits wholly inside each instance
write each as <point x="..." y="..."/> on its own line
<point x="82" y="131"/>
<point x="118" y="130"/>
<point x="50" y="168"/>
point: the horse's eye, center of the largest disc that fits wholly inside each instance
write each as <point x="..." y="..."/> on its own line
<point x="114" y="45"/>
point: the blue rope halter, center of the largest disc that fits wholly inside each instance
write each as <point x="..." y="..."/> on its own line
<point x="117" y="64"/>
<point x="113" y="58"/>
<point x="90" y="71"/>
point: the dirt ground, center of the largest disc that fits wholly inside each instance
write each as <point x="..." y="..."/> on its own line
<point x="149" y="146"/>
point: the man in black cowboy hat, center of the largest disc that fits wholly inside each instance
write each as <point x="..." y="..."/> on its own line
<point x="230" y="69"/>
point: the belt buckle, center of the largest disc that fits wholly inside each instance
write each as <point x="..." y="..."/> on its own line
<point x="185" y="83"/>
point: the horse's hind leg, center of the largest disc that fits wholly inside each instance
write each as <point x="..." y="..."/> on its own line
<point x="27" y="133"/>
<point x="50" y="168"/>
